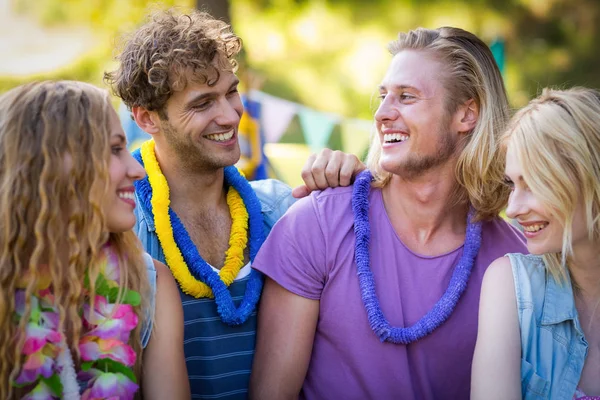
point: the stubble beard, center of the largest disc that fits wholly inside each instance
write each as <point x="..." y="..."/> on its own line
<point x="190" y="156"/>
<point x="418" y="165"/>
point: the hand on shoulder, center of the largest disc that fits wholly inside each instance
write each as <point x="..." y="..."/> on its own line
<point x="328" y="169"/>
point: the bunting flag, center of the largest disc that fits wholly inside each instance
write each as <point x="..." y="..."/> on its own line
<point x="356" y="134"/>
<point x="252" y="159"/>
<point x="497" y="48"/>
<point x="317" y="127"/>
<point x="276" y="115"/>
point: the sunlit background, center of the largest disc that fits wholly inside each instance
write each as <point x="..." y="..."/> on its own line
<point x="309" y="68"/>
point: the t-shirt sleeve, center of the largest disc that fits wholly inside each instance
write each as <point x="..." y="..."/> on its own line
<point x="294" y="253"/>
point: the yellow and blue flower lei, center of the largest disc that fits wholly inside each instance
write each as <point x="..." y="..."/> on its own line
<point x="193" y="274"/>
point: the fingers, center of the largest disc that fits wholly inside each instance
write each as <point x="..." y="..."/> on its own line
<point x="300" y="191"/>
<point x="351" y="166"/>
<point x="328" y="169"/>
<point x="307" y="174"/>
<point x="333" y="167"/>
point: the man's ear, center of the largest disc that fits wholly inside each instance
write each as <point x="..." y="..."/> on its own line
<point x="466" y="116"/>
<point x="148" y="121"/>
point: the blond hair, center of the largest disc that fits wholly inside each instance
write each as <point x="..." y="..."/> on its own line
<point x="47" y="207"/>
<point x="556" y="141"/>
<point x="470" y="72"/>
<point x="159" y="57"/>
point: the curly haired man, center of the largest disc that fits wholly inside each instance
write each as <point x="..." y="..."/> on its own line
<point x="195" y="211"/>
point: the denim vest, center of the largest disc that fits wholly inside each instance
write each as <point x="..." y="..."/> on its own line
<point x="553" y="348"/>
<point x="147" y="326"/>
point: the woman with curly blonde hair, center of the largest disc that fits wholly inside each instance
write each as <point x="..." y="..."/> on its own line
<point x="539" y="319"/>
<point x="78" y="296"/>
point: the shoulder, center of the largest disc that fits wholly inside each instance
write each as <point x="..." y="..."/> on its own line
<point x="498" y="298"/>
<point x="161" y="269"/>
<point x="330" y="204"/>
<point x="498" y="275"/>
<point x="167" y="289"/>
<point x="529" y="273"/>
<point x="515" y="272"/>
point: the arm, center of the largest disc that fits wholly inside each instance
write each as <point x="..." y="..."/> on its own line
<point x="286" y="329"/>
<point x="328" y="169"/>
<point x="165" y="372"/>
<point x="497" y="361"/>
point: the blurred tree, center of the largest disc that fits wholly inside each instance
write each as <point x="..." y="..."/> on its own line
<point x="330" y="54"/>
<point x="217" y="8"/>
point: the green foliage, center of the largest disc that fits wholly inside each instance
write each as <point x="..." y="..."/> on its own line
<point x="331" y="54"/>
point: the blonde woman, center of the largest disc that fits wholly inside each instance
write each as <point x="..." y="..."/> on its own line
<point x="78" y="298"/>
<point x="539" y="318"/>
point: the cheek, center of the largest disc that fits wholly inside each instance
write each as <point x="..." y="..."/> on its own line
<point x="116" y="171"/>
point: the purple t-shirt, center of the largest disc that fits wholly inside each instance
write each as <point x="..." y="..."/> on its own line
<point x="310" y="252"/>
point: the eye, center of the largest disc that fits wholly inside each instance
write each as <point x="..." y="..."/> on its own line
<point x="406" y="96"/>
<point x="509" y="183"/>
<point x="202" y="106"/>
<point x="116" y="150"/>
<point x="233" y="91"/>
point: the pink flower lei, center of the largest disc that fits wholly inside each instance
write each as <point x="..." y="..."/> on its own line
<point x="107" y="359"/>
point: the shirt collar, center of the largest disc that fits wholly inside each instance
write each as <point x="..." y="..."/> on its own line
<point x="144" y="213"/>
<point x="559" y="303"/>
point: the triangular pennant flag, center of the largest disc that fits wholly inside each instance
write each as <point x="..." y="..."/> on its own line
<point x="335" y="140"/>
<point x="356" y="134"/>
<point x="276" y="115"/>
<point x="317" y="127"/>
<point x="293" y="134"/>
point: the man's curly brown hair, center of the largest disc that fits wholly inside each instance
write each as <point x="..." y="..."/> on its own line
<point x="166" y="51"/>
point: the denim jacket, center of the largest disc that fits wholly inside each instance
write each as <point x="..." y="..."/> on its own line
<point x="553" y="347"/>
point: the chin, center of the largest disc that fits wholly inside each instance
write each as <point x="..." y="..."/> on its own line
<point x="121" y="225"/>
<point x="538" y="250"/>
<point x="391" y="166"/>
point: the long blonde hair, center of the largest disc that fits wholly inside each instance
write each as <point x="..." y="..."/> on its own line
<point x="556" y="140"/>
<point x="54" y="157"/>
<point x="470" y="72"/>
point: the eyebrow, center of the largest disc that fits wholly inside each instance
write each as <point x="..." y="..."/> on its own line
<point x="122" y="139"/>
<point x="521" y="179"/>
<point x="399" y="87"/>
<point x="209" y="95"/>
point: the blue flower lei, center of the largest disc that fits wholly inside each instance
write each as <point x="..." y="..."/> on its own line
<point x="442" y="310"/>
<point x="199" y="268"/>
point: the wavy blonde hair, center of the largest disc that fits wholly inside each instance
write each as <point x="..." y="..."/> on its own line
<point x="166" y="51"/>
<point x="556" y="141"/>
<point x="470" y="72"/>
<point x="51" y="210"/>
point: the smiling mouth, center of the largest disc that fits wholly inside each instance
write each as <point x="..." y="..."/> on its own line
<point x="394" y="138"/>
<point x="220" y="137"/>
<point x="535" y="228"/>
<point x="127" y="195"/>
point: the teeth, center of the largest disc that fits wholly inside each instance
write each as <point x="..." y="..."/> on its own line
<point x="534" y="228"/>
<point x="127" y="195"/>
<point x="220" y="137"/>
<point x="394" y="137"/>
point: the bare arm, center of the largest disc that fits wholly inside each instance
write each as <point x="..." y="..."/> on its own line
<point x="497" y="361"/>
<point x="165" y="372"/>
<point x="286" y="330"/>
